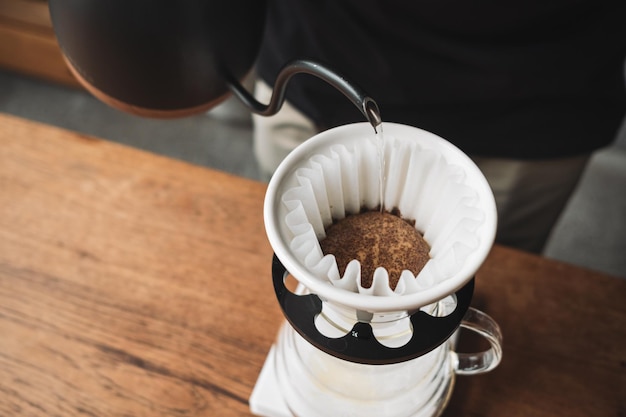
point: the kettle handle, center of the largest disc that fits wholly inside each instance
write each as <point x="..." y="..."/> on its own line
<point x="362" y="101"/>
<point x="359" y="344"/>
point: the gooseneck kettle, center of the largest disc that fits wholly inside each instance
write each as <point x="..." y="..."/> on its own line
<point x="167" y="59"/>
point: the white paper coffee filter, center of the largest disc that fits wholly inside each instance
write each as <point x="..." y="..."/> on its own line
<point x="426" y="178"/>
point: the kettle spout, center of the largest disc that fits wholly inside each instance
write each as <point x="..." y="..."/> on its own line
<point x="366" y="105"/>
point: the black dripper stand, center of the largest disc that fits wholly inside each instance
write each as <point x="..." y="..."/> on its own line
<point x="359" y="345"/>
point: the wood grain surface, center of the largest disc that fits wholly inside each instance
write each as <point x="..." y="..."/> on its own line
<point x="564" y="341"/>
<point x="130" y="284"/>
<point x="136" y="285"/>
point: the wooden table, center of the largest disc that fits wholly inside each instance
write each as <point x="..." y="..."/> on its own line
<point x="136" y="285"/>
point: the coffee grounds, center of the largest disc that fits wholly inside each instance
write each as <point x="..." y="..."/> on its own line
<point x="376" y="239"/>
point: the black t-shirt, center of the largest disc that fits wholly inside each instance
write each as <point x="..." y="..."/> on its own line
<point x="527" y="79"/>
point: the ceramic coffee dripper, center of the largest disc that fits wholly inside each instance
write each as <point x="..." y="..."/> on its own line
<point x="349" y="351"/>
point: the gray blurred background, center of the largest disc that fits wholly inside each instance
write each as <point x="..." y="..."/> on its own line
<point x="591" y="232"/>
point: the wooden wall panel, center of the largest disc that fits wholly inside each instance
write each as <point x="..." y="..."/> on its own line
<point x="27" y="42"/>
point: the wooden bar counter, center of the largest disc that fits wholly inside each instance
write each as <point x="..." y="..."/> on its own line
<point x="135" y="285"/>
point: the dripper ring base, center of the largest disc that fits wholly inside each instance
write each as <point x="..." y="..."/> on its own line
<point x="359" y="345"/>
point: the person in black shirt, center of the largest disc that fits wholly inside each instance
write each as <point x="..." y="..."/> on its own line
<point x="529" y="89"/>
